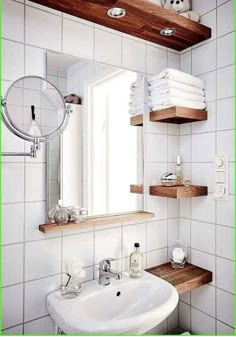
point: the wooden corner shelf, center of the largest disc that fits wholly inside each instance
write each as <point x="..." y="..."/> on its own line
<point x="178" y="115"/>
<point x="136" y="120"/>
<point x="178" y="192"/>
<point x="184" y="280"/>
<point x="97" y="221"/>
<point x="144" y="19"/>
<point x="138" y="189"/>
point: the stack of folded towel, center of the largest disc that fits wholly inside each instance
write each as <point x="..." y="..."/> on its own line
<point x="137" y="98"/>
<point x="175" y="88"/>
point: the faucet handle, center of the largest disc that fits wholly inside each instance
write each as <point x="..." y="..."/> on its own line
<point x="105" y="264"/>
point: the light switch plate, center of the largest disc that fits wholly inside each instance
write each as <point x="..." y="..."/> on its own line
<point x="221" y="177"/>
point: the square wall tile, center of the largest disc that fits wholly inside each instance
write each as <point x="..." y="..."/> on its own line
<point x="185" y="149"/>
<point x="158" y="206"/>
<point x="13" y="183"/>
<point x="225" y="242"/>
<point x="12" y="304"/>
<point x="156" y="60"/>
<point x="157" y="257"/>
<point x="12" y="223"/>
<point x="44" y="325"/>
<point x="133" y="55"/>
<point x="18" y="329"/>
<point x="74" y="31"/>
<point x="203" y="175"/>
<point x="204" y="58"/>
<point x="154" y="171"/>
<point x="223" y="329"/>
<point x="43" y="29"/>
<point x="185" y="208"/>
<point x="184" y="231"/>
<point x="202" y="7"/>
<point x="35" y="184"/>
<point x="225" y="114"/>
<point x="80" y="246"/>
<point x="11" y="142"/>
<point x="173" y="231"/>
<point x="186" y="62"/>
<point x="42" y="258"/>
<point x="203" y="237"/>
<point x="205" y="261"/>
<point x="154" y="152"/>
<point x="203" y="208"/>
<point x="12" y="66"/>
<point x="210" y="124"/>
<point x="225" y="212"/>
<point x="35" y="61"/>
<point x="225" y="307"/>
<point x="107" y="47"/>
<point x="173" y="60"/>
<point x="225" y="82"/>
<point x="225" y="18"/>
<point x="156" y="235"/>
<point x="210" y="85"/>
<point x="107" y="244"/>
<point x="12" y="256"/>
<point x="225" y="143"/>
<point x="204" y="299"/>
<point x="173" y="148"/>
<point x="225" y="274"/>
<point x="36" y="293"/>
<point x="202" y="323"/>
<point x="173" y="208"/>
<point x="225" y="43"/>
<point x="13" y="20"/>
<point x="184" y="316"/>
<point x="132" y="234"/>
<point x="44" y="8"/>
<point x="209" y="20"/>
<point x="201" y="152"/>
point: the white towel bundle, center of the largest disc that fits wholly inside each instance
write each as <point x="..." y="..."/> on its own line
<point x="175" y="88"/>
<point x="136" y="98"/>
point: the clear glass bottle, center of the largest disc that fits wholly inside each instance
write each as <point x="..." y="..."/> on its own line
<point x="136" y="262"/>
<point x="178" y="172"/>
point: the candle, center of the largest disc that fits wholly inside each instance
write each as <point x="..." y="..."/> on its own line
<point x="178" y="255"/>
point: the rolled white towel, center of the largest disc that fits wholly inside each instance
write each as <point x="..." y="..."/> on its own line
<point x="176" y="101"/>
<point x="156" y="94"/>
<point x="135" y="85"/>
<point x="176" y="75"/>
<point x="170" y="84"/>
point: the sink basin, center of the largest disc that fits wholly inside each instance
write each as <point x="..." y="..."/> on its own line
<point x="125" y="306"/>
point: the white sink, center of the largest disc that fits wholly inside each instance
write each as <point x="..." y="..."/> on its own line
<point x="125" y="306"/>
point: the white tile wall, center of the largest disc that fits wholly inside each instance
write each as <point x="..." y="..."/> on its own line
<point x="24" y="196"/>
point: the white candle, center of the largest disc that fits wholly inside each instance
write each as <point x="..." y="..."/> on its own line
<point x="178" y="255"/>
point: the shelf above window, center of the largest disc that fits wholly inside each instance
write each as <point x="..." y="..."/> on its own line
<point x="136" y="120"/>
<point x="178" y="115"/>
<point x="144" y="19"/>
<point x="97" y="221"/>
<point x="184" y="280"/>
<point x="178" y="192"/>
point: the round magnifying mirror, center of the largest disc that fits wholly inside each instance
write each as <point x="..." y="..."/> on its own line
<point x="34" y="109"/>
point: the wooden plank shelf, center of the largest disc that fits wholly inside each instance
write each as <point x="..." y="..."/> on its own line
<point x="178" y="192"/>
<point x="96" y="221"/>
<point x="144" y="19"/>
<point x="138" y="189"/>
<point x="178" y="115"/>
<point x="184" y="280"/>
<point x="136" y="120"/>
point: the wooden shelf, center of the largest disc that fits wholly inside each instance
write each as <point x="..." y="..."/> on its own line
<point x="184" y="280"/>
<point x="144" y="19"/>
<point x="136" y="120"/>
<point x="178" y="115"/>
<point x="179" y="192"/>
<point x="97" y="221"/>
<point x="138" y="189"/>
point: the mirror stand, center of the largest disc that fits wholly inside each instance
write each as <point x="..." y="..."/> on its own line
<point x="32" y="154"/>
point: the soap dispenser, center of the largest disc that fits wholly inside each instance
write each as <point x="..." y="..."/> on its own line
<point x="136" y="262"/>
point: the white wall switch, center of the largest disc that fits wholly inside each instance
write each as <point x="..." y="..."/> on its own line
<point x="221" y="178"/>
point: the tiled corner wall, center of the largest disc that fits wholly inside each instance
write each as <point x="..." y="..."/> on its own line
<point x="208" y="225"/>
<point x="32" y="262"/>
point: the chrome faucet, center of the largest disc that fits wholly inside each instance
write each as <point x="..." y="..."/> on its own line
<point x="106" y="273"/>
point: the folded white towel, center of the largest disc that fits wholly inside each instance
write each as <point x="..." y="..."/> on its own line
<point x="179" y="76"/>
<point x="156" y="94"/>
<point x="137" y="108"/>
<point x="176" y="101"/>
<point x="136" y="102"/>
<point x="165" y="85"/>
<point x="136" y="113"/>
<point x="136" y="92"/>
